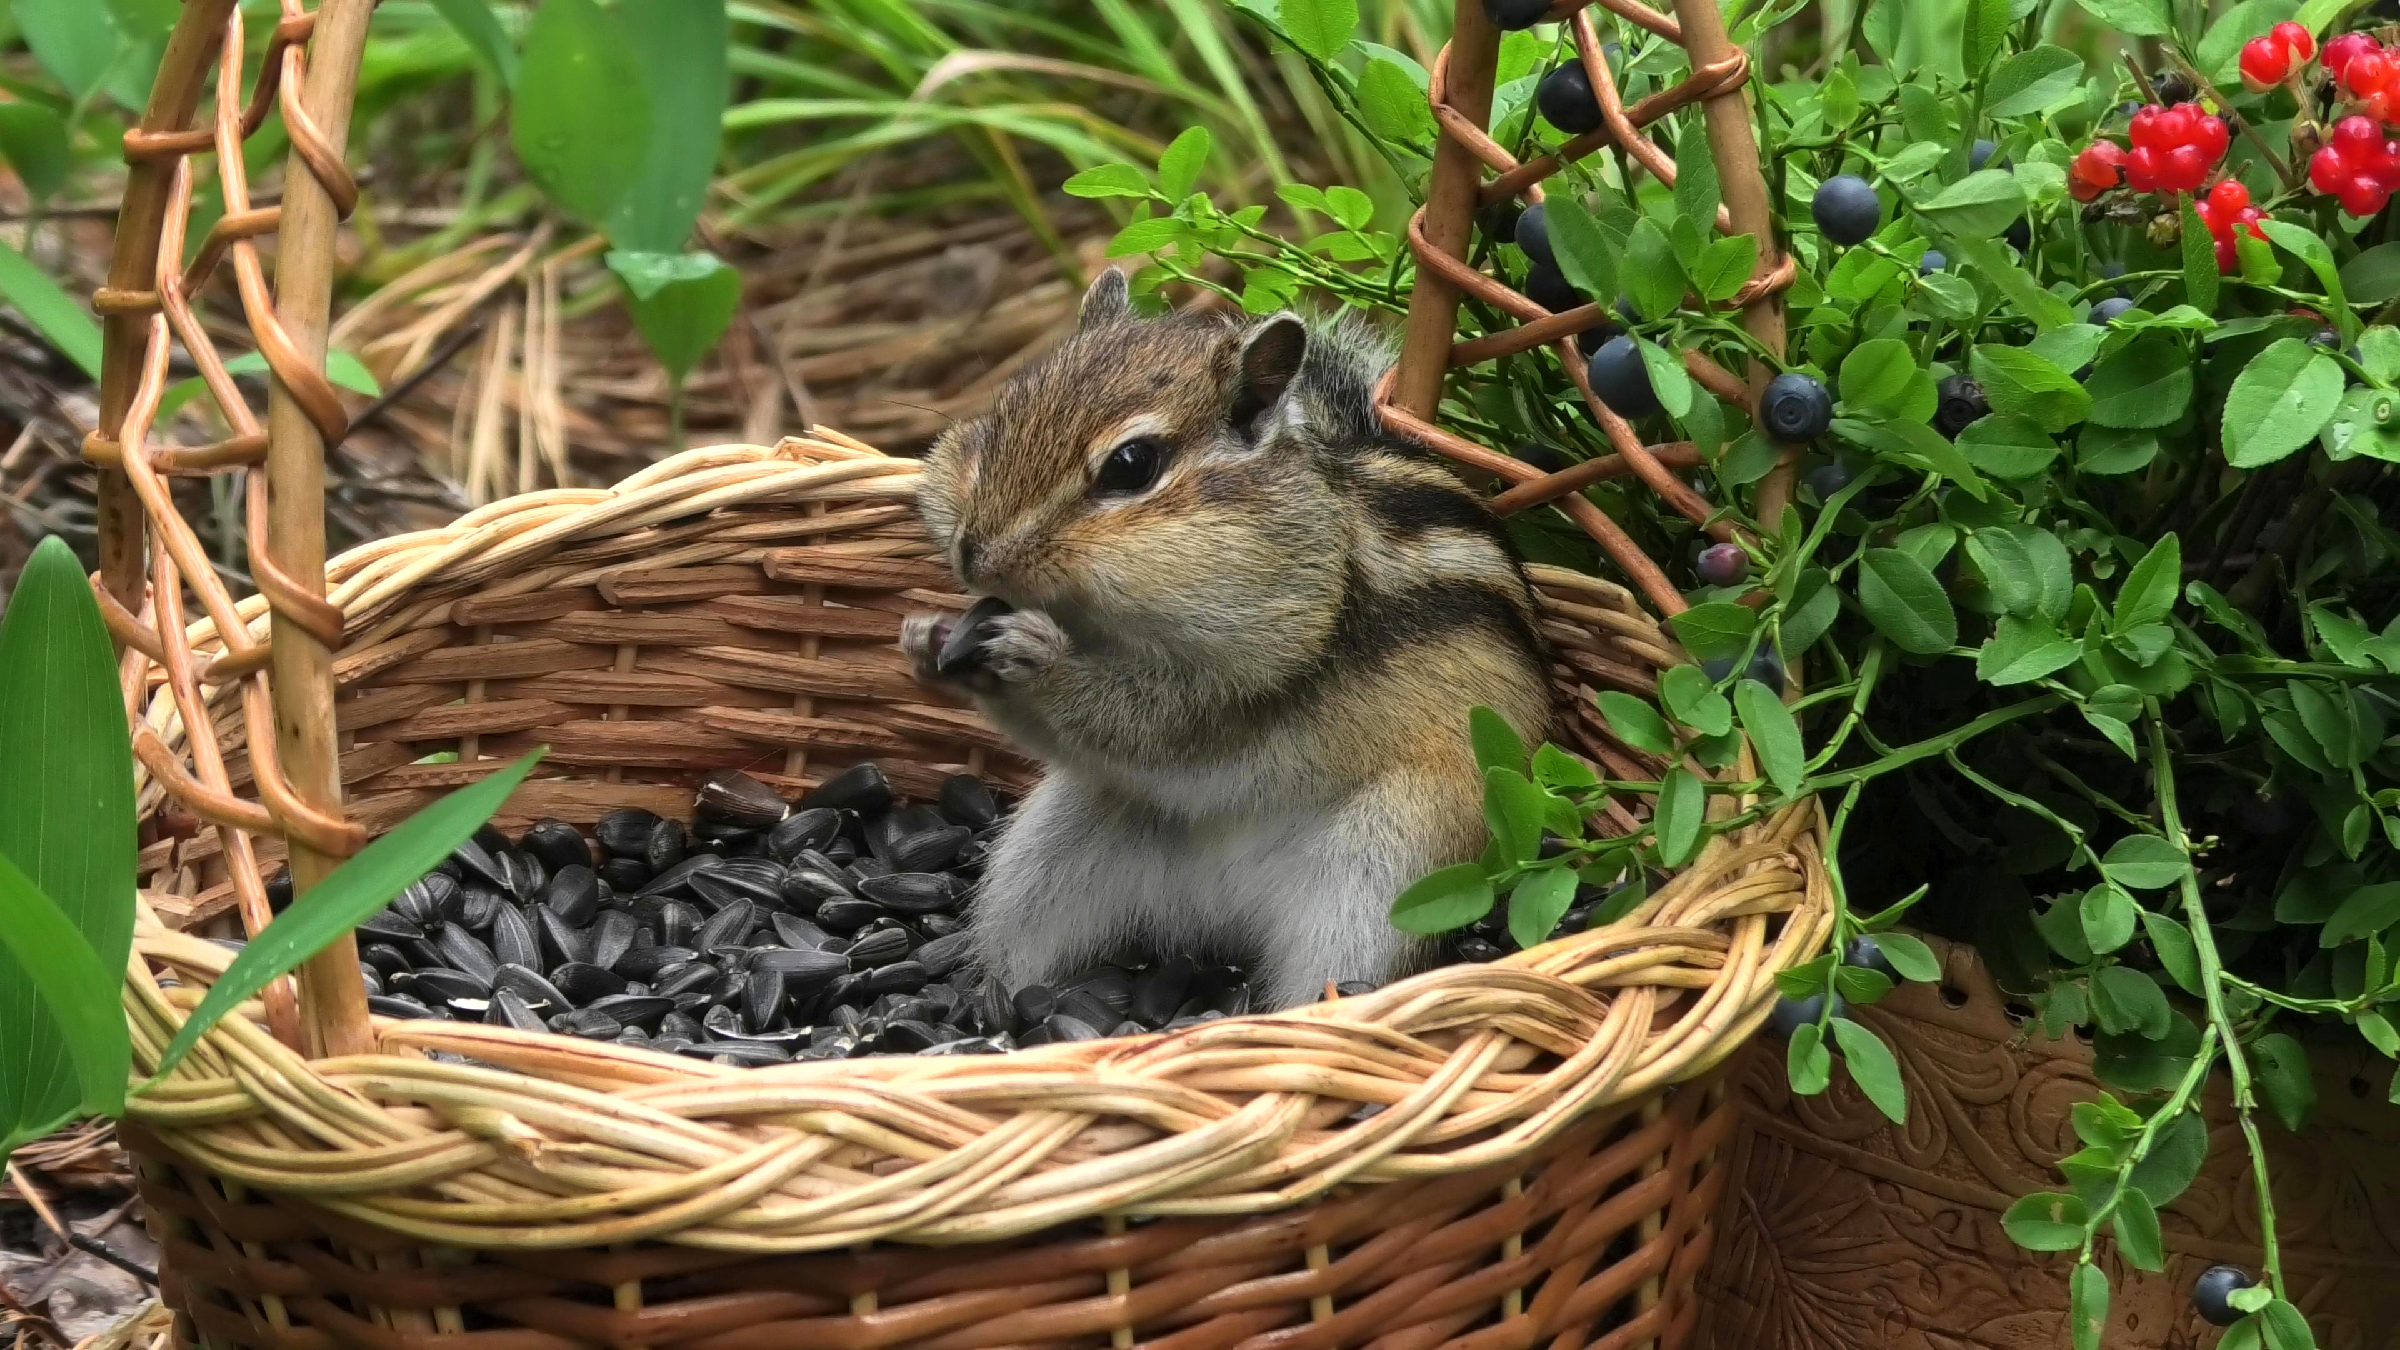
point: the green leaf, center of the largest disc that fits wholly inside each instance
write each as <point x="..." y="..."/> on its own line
<point x="2279" y="1068"/>
<point x="2108" y="916"/>
<point x="2144" y="862"/>
<point x="2373" y="277"/>
<point x="2364" y="911"/>
<point x="1724" y="268"/>
<point x="1872" y="1068"/>
<point x="2309" y="249"/>
<point x="1985" y="28"/>
<point x="2279" y="401"/>
<point x="1540" y="899"/>
<point x="581" y="101"/>
<point x="1636" y="723"/>
<point x="2138" y="1237"/>
<point x="1692" y="700"/>
<point x="1682" y="808"/>
<point x="2147" y="383"/>
<point x="1349" y="206"/>
<point x="2107" y="451"/>
<point x="2087" y="1306"/>
<point x="1392" y="105"/>
<point x="2021" y="384"/>
<point x="1905" y="603"/>
<point x="1145" y="236"/>
<point x="76" y="41"/>
<point x="57" y="316"/>
<point x="2007" y="447"/>
<point x="1978" y="206"/>
<point x="2045" y="1222"/>
<point x="1876" y="374"/>
<point x="1179" y="168"/>
<point x="2172" y="942"/>
<point x="2148" y="594"/>
<point x="76" y="994"/>
<point x="2139" y="18"/>
<point x="2128" y="1000"/>
<point x="2031" y="81"/>
<point x="690" y="302"/>
<point x="1807" y="1062"/>
<point x="2199" y="260"/>
<point x="1669" y="381"/>
<point x="2023" y="648"/>
<point x="1108" y="180"/>
<point x="1586" y="255"/>
<point x="1716" y="630"/>
<point x="1449" y="899"/>
<point x="1649" y="270"/>
<point x="66" y="812"/>
<point x="680" y="48"/>
<point x="1695" y="173"/>
<point x="34" y="140"/>
<point x="2174" y="1160"/>
<point x="2046" y="310"/>
<point x="1774" y="736"/>
<point x="2284" y="1328"/>
<point x="355" y="891"/>
<point x="475" y="23"/>
<point x="1497" y="745"/>
<point x="1553" y="767"/>
<point x="2379" y="1032"/>
<point x="1321" y="28"/>
<point x="1911" y="957"/>
<point x="1513" y="807"/>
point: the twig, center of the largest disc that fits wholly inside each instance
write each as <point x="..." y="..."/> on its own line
<point x="40" y="1203"/>
<point x="451" y="345"/>
<point x="95" y="1247"/>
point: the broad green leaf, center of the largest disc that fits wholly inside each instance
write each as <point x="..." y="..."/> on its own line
<point x="1108" y="180"/>
<point x="2143" y="862"/>
<point x="2007" y="447"/>
<point x="2174" y="1159"/>
<point x="1682" y="809"/>
<point x="1725" y="267"/>
<point x="2145" y="384"/>
<point x="1774" y="736"/>
<point x="2007" y="570"/>
<point x="2199" y="260"/>
<point x="690" y="302"/>
<point x="1715" y="630"/>
<point x="1179" y="168"/>
<point x="2284" y="1328"/>
<point x="1669" y="381"/>
<point x="34" y="140"/>
<point x="76" y="41"/>
<point x="1905" y="603"/>
<point x="1146" y="236"/>
<point x="355" y="891"/>
<point x="1695" y="172"/>
<point x="2045" y="1222"/>
<point x="1392" y="105"/>
<point x="57" y="316"/>
<point x="1872" y="1068"/>
<point x="1553" y="767"/>
<point x="2046" y="310"/>
<point x="2311" y="250"/>
<point x="1535" y="906"/>
<point x="2087" y="1306"/>
<point x="2177" y="955"/>
<point x="2373" y="276"/>
<point x="2364" y="911"/>
<point x="2137" y="1232"/>
<point x="1497" y="744"/>
<point x="1875" y="376"/>
<point x="481" y="30"/>
<point x="2279" y="1068"/>
<point x="2279" y="402"/>
<point x="1978" y="206"/>
<point x="1586" y="255"/>
<point x="1451" y="898"/>
<point x="2106" y="451"/>
<point x="2108" y="919"/>
<point x="1911" y="957"/>
<point x="1514" y="809"/>
<point x="582" y="104"/>
<point x="2137" y="18"/>
<point x="2033" y="80"/>
<point x="1650" y="272"/>
<point x="1984" y="29"/>
<point x="2128" y="1000"/>
<point x="1807" y="1063"/>
<point x="66" y="810"/>
<point x="2148" y="594"/>
<point x="680" y="48"/>
<point x="1692" y="700"/>
<point x="2023" y="648"/>
<point x="1321" y="28"/>
<point x="78" y="996"/>
<point x="2021" y="384"/>
<point x="2069" y="346"/>
<point x="1636" y="723"/>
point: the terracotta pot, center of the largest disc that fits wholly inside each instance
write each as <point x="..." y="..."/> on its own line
<point x="1843" y="1231"/>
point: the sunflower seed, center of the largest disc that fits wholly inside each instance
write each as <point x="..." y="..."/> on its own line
<point x="1063" y="1027"/>
<point x="943" y="955"/>
<point x="573" y="894"/>
<point x="909" y="892"/>
<point x="738" y="799"/>
<point x="437" y="986"/>
<point x="625" y="874"/>
<point x="463" y="951"/>
<point x="398" y="1005"/>
<point x="880" y="948"/>
<point x="508" y="1010"/>
<point x="626" y="833"/>
<point x="533" y="987"/>
<point x="900" y="977"/>
<point x="476" y="861"/>
<point x="612" y="937"/>
<point x="762" y="997"/>
<point x="728" y="925"/>
<point x="476" y="906"/>
<point x="861" y="788"/>
<point x="967" y="800"/>
<point x="582" y="982"/>
<point x="645" y="963"/>
<point x="810" y="829"/>
<point x="558" y="845"/>
<point x="560" y="941"/>
<point x="793" y="931"/>
<point x="385" y="923"/>
<point x="926" y="850"/>
<point x="665" y="847"/>
<point x="513" y="938"/>
<point x="678" y="923"/>
<point x="848" y="916"/>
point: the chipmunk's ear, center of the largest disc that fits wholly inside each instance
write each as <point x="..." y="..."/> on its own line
<point x="1271" y="357"/>
<point x="1106" y="301"/>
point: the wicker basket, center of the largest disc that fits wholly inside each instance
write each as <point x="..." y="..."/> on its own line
<point x="1493" y="1156"/>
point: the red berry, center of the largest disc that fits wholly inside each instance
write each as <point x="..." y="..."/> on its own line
<point x="2361" y="197"/>
<point x="2185" y="169"/>
<point x="2264" y="65"/>
<point x="2101" y="164"/>
<point x="2357" y="137"/>
<point x="2213" y="137"/>
<point x="2367" y="73"/>
<point x="2328" y="171"/>
<point x="2229" y="197"/>
<point x="2145" y="128"/>
<point x="2227" y="259"/>
<point x="2340" y="51"/>
<point x="2141" y="169"/>
<point x="2295" y="39"/>
<point x="2177" y="125"/>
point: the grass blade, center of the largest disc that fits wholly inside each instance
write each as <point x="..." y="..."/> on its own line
<point x="356" y="890"/>
<point x="59" y="317"/>
<point x="78" y="993"/>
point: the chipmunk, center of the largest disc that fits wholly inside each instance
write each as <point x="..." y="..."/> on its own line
<point x="1242" y="625"/>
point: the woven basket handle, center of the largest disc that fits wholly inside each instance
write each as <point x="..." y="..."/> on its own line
<point x="1442" y="235"/>
<point x="150" y="555"/>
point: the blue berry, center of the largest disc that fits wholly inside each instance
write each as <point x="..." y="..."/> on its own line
<point x="1723" y="565"/>
<point x="1980" y="154"/>
<point x="2107" y="310"/>
<point x="1961" y="403"/>
<point x="1795" y="407"/>
<point x="2213" y="1292"/>
<point x="1567" y="101"/>
<point x="1549" y="288"/>
<point x="1934" y="261"/>
<point x="1512" y="15"/>
<point x="1620" y="380"/>
<point x="1765" y="667"/>
<point x="1533" y="236"/>
<point x="1540" y="456"/>
<point x="1846" y="209"/>
<point x="1827" y="479"/>
<point x="1791" y="1014"/>
<point x="1866" y="953"/>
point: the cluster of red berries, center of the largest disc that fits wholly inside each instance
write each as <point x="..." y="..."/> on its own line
<point x="2174" y="150"/>
<point x="2268" y="61"/>
<point x="2368" y="72"/>
<point x="2357" y="165"/>
<point x="2225" y="210"/>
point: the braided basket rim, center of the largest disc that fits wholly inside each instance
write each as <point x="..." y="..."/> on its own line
<point x="571" y="1143"/>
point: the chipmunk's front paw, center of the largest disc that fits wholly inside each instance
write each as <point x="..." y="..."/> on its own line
<point x="988" y="647"/>
<point x="1020" y="645"/>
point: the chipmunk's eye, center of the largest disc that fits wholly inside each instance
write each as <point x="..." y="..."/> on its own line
<point x="1131" y="467"/>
